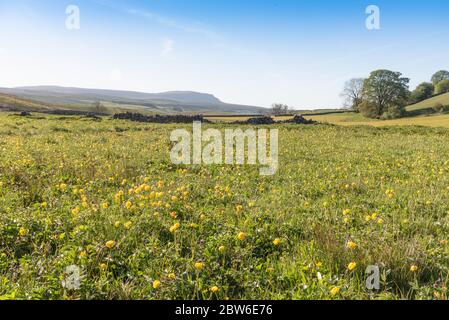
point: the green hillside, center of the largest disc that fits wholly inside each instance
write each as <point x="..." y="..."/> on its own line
<point x="429" y="103"/>
<point x="13" y="103"/>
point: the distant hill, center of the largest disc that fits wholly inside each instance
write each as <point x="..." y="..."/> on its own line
<point x="166" y="102"/>
<point x="429" y="103"/>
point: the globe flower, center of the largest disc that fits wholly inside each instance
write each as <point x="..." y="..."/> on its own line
<point x="352" y="266"/>
<point x="110" y="244"/>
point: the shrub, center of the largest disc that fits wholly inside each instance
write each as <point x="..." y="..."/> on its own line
<point x="438" y="107"/>
<point x="369" y="110"/>
<point x="442" y="87"/>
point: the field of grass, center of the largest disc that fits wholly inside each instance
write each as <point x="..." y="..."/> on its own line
<point x="354" y="119"/>
<point x="104" y="196"/>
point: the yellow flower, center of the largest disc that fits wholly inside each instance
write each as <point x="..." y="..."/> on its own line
<point x="156" y="284"/>
<point x="173" y="214"/>
<point x="351" y="245"/>
<point x="380" y="221"/>
<point x="76" y="211"/>
<point x="103" y="266"/>
<point x="241" y="236"/>
<point x="83" y="254"/>
<point x="117" y="224"/>
<point x="352" y="266"/>
<point x="128" y="225"/>
<point x="335" y="291"/>
<point x="214" y="289"/>
<point x="128" y="204"/>
<point x="105" y="205"/>
<point x="222" y="249"/>
<point x="172" y="276"/>
<point x="110" y="244"/>
<point x="175" y="227"/>
<point x="319" y="264"/>
<point x="174" y="198"/>
<point x="199" y="266"/>
<point x="346" y="212"/>
<point x="23" y="232"/>
<point x="277" y="242"/>
<point x="413" y="268"/>
<point x="44" y="204"/>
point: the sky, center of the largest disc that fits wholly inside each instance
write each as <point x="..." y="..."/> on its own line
<point x="254" y="52"/>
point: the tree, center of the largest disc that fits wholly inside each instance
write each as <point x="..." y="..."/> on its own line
<point x="352" y="93"/>
<point x="422" y="92"/>
<point x="442" y="87"/>
<point x="279" y="109"/>
<point x="440" y="76"/>
<point x="385" y="92"/>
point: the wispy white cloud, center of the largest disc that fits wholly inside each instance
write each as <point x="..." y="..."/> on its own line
<point x="167" y="47"/>
<point x="168" y="22"/>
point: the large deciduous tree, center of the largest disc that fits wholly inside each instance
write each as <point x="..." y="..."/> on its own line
<point x="352" y="93"/>
<point x="440" y="76"/>
<point x="385" y="93"/>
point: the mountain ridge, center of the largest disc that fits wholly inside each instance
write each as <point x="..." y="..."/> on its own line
<point x="163" y="102"/>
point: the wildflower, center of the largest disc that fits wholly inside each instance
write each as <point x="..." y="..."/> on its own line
<point x="44" y="204"/>
<point x="173" y="214"/>
<point x="23" y="232"/>
<point x="380" y="221"/>
<point x="172" y="276"/>
<point x="335" y="291"/>
<point x="319" y="264"/>
<point x="110" y="244"/>
<point x="346" y="212"/>
<point x="277" y="242"/>
<point x="174" y="198"/>
<point x="241" y="236"/>
<point x="75" y="211"/>
<point x="413" y="268"/>
<point x="117" y="224"/>
<point x="83" y="254"/>
<point x="128" y="225"/>
<point x="351" y="245"/>
<point x="156" y="284"/>
<point x="352" y="266"/>
<point x="105" y="205"/>
<point x="214" y="289"/>
<point x="128" y="204"/>
<point x="222" y="249"/>
<point x="175" y="227"/>
<point x="103" y="266"/>
<point x="199" y="266"/>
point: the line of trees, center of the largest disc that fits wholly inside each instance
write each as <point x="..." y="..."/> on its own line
<point x="385" y="93"/>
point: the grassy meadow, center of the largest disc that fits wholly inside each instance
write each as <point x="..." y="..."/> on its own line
<point x="104" y="196"/>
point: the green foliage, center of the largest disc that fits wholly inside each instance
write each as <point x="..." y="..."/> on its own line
<point x="424" y="91"/>
<point x="74" y="191"/>
<point x="442" y="87"/>
<point x="440" y="76"/>
<point x="385" y="92"/>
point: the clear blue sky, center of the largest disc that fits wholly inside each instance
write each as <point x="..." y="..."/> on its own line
<point x="242" y="51"/>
